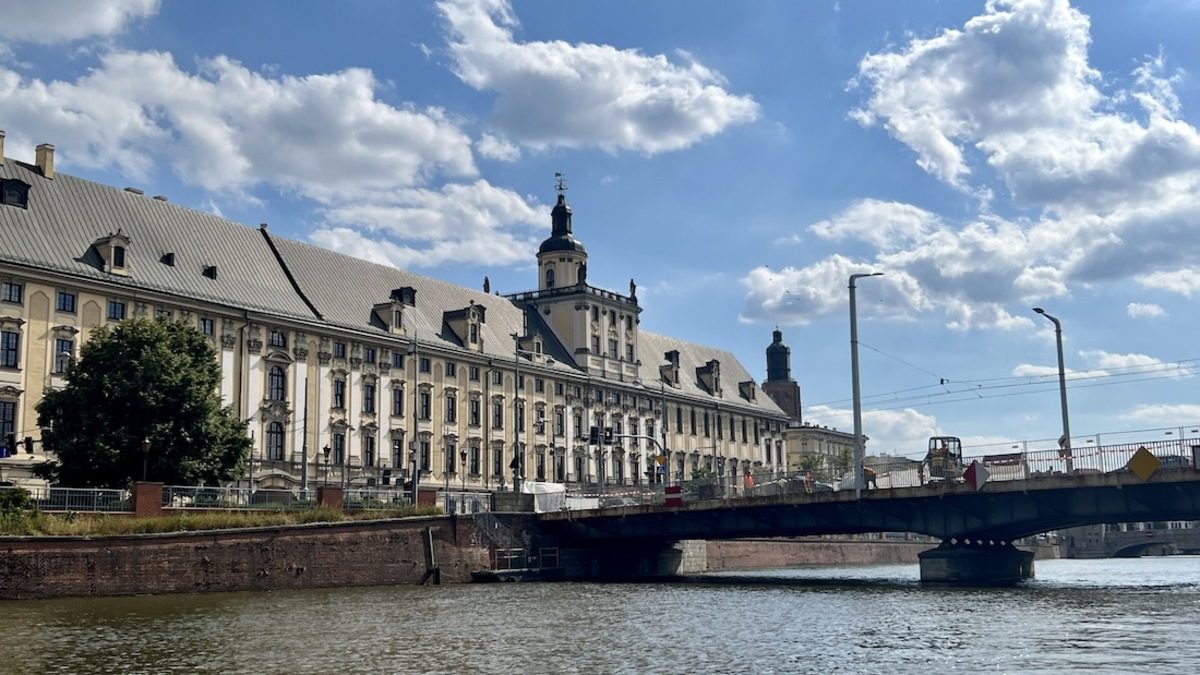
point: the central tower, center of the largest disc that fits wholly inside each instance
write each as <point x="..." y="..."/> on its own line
<point x="562" y="260"/>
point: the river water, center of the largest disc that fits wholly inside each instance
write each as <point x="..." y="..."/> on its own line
<point x="1101" y="616"/>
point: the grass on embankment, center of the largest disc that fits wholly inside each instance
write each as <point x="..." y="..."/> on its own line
<point x="37" y="523"/>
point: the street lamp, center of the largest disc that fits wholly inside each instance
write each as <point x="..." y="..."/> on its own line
<point x="1064" y="443"/>
<point x="858" y="434"/>
<point x="462" y="467"/>
<point x="145" y="457"/>
<point x="326" y="450"/>
<point x="518" y="463"/>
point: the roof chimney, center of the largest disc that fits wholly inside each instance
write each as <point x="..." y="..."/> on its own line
<point x="1" y="147"/>
<point x="44" y="159"/>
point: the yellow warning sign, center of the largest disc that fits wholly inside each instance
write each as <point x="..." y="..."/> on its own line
<point x="1143" y="464"/>
<point x="661" y="459"/>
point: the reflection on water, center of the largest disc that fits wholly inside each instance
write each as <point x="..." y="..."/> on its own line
<point x="1132" y="615"/>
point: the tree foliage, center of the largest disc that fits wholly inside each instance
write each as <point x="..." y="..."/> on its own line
<point x="142" y="384"/>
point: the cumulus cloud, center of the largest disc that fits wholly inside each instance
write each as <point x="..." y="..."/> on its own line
<point x="1139" y="310"/>
<point x="1008" y="106"/>
<point x="586" y="95"/>
<point x="1102" y="364"/>
<point x="497" y="148"/>
<point x="326" y="137"/>
<point x="1165" y="414"/>
<point x="69" y="20"/>
<point x="895" y="432"/>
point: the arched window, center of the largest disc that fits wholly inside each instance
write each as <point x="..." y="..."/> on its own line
<point x="549" y="277"/>
<point x="275" y="441"/>
<point x="276" y="384"/>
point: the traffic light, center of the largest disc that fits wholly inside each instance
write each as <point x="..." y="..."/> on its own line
<point x="29" y="445"/>
<point x="608" y="435"/>
<point x="594" y="436"/>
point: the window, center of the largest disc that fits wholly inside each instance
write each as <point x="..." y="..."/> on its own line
<point x="618" y="470"/>
<point x="64" y="350"/>
<point x="276" y="384"/>
<point x="424" y="452"/>
<point x="521" y="383"/>
<point x="474" y="411"/>
<point x="707" y="432"/>
<point x="275" y="441"/>
<point x="424" y="404"/>
<point x="629" y="351"/>
<point x="692" y="414"/>
<point x="497" y="413"/>
<point x="612" y="348"/>
<point x="451" y="463"/>
<point x="116" y="310"/>
<point x="558" y="388"/>
<point x="8" y="419"/>
<point x="207" y="326"/>
<point x="541" y="465"/>
<point x="11" y="292"/>
<point x="370" y="354"/>
<point x="368" y="449"/>
<point x="577" y="420"/>
<point x="520" y="423"/>
<point x="595" y="313"/>
<point x="339" y="350"/>
<point x="339" y="394"/>
<point x="398" y="401"/>
<point x="118" y="256"/>
<point x="475" y="452"/>
<point x="397" y="359"/>
<point x="678" y="419"/>
<point x="10" y="349"/>
<point x="277" y="339"/>
<point x="743" y="429"/>
<point x="539" y="385"/>
<point x="66" y="302"/>
<point x="451" y="407"/>
<point x="720" y="429"/>
<point x="15" y="193"/>
<point x="549" y="277"/>
<point x="368" y="392"/>
<point x="423" y="364"/>
<point x="595" y="344"/>
<point x="560" y="422"/>
<point x="650" y="428"/>
<point x="497" y="377"/>
<point x="398" y="451"/>
<point x="451" y="369"/>
<point x="767" y="451"/>
<point x="497" y="459"/>
<point x="473" y="373"/>
<point x="339" y="448"/>
<point x="162" y="314"/>
<point x="628" y="322"/>
<point x="473" y="333"/>
<point x="756" y="432"/>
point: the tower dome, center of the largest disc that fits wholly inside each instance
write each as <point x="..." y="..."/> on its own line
<point x="561" y="238"/>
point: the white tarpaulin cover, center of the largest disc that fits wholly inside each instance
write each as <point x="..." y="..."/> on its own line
<point x="546" y="496"/>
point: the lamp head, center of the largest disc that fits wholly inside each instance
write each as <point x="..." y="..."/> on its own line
<point x="1039" y="310"/>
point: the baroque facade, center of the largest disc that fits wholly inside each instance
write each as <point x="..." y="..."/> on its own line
<point x="351" y="372"/>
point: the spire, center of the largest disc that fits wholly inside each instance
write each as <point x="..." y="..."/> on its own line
<point x="560" y="216"/>
<point x="779" y="359"/>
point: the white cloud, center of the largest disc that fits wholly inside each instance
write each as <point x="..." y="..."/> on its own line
<point x="57" y="21"/>
<point x="326" y="137"/>
<point x="1103" y="364"/>
<point x="586" y="95"/>
<point x="1033" y="370"/>
<point x="1185" y="282"/>
<point x="497" y="148"/>
<point x="1143" y="310"/>
<point x="1165" y="414"/>
<point x="903" y="432"/>
<point x="1008" y="104"/>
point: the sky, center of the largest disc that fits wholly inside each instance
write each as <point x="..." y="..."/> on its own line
<point x="738" y="160"/>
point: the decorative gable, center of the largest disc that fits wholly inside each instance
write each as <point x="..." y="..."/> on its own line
<point x="390" y="314"/>
<point x="669" y="371"/>
<point x="709" y="376"/>
<point x="748" y="390"/>
<point x="467" y="325"/>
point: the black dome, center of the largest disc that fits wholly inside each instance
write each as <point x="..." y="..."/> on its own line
<point x="561" y="243"/>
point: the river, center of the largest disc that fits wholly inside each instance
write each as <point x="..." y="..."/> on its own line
<point x="1101" y="616"/>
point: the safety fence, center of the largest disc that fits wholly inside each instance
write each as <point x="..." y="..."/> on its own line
<point x="102" y="500"/>
<point x="91" y="500"/>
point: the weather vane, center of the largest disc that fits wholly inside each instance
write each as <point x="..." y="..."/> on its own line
<point x="560" y="182"/>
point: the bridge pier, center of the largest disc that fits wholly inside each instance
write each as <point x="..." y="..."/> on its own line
<point x="636" y="561"/>
<point x="960" y="562"/>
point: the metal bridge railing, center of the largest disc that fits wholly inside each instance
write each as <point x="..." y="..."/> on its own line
<point x="92" y="500"/>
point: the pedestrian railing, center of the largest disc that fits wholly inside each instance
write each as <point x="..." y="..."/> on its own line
<point x="202" y="497"/>
<point x="91" y="500"/>
<point x="371" y="499"/>
<point x="465" y="503"/>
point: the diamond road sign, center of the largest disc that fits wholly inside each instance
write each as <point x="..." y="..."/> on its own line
<point x="1143" y="464"/>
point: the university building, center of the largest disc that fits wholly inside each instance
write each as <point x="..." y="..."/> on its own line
<point x="351" y="372"/>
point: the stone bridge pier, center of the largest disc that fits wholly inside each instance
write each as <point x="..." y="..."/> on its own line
<point x="984" y="562"/>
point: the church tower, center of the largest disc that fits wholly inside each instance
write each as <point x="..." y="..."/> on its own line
<point x="562" y="260"/>
<point x="779" y="385"/>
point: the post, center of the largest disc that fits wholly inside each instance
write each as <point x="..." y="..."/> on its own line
<point x="1065" y="441"/>
<point x="304" y="448"/>
<point x="518" y="456"/>
<point x="859" y="451"/>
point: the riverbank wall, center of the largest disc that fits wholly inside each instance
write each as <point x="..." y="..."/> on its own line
<point x="402" y="551"/>
<point x="758" y="554"/>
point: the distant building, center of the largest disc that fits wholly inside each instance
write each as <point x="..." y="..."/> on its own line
<point x="823" y="450"/>
<point x="352" y="372"/>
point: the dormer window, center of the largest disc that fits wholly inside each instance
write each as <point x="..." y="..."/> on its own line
<point x="118" y="259"/>
<point x="210" y="271"/>
<point x="473" y="333"/>
<point x="113" y="251"/>
<point x="277" y="339"/>
<point x="15" y="193"/>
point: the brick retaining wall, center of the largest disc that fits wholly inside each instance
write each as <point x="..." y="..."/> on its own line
<point x="269" y="558"/>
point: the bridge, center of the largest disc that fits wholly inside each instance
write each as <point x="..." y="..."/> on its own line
<point x="1108" y="542"/>
<point x="977" y="523"/>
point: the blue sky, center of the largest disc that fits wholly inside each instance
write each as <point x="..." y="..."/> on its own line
<point x="739" y="160"/>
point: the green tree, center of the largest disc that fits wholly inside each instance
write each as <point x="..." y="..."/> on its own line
<point x="142" y="384"/>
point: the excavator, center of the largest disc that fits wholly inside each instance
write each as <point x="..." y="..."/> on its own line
<point x="943" y="462"/>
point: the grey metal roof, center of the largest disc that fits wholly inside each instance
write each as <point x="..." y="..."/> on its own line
<point x="692" y="356"/>
<point x="67" y="214"/>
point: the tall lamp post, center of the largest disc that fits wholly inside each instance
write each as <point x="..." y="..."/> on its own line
<point x="325" y="451"/>
<point x="145" y="457"/>
<point x="1064" y="443"/>
<point x="858" y="433"/>
<point x="518" y="462"/>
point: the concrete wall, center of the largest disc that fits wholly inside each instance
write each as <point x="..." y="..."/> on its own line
<point x="305" y="556"/>
<point x="750" y="554"/>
